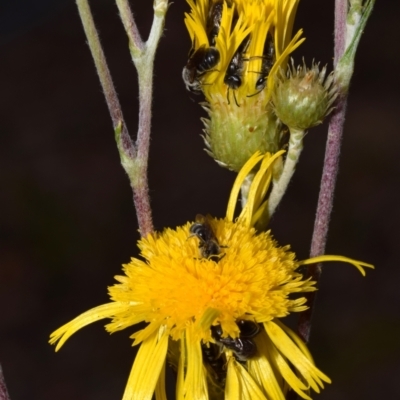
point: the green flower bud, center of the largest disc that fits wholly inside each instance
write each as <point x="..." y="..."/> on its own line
<point x="302" y="98"/>
<point x="233" y="134"/>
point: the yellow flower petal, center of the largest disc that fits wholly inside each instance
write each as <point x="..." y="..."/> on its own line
<point x="247" y="168"/>
<point x="263" y="372"/>
<point x="160" y="387"/>
<point x="300" y="344"/>
<point x="95" y="314"/>
<point x="259" y="187"/>
<point x="240" y="385"/>
<point x="180" y="387"/>
<point x="147" y="367"/>
<point x="286" y="347"/>
<point x="358" y="264"/>
<point x="281" y="61"/>
<point x="195" y="385"/>
<point x="284" y="369"/>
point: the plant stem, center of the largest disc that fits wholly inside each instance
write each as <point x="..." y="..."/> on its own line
<point x="3" y="388"/>
<point x="107" y="85"/>
<point x="134" y="156"/>
<point x="292" y="158"/>
<point x="329" y="173"/>
<point x="143" y="55"/>
<point x="130" y="25"/>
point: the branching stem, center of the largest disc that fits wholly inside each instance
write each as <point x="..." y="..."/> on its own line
<point x="134" y="156"/>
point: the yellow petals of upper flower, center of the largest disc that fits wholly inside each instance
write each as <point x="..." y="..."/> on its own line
<point x="238" y="49"/>
<point x="246" y="26"/>
<point x="184" y="296"/>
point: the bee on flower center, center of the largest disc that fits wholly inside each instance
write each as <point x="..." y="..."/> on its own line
<point x="209" y="245"/>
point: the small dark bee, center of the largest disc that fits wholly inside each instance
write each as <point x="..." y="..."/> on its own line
<point x="214" y="21"/>
<point x="202" y="60"/>
<point x="248" y="329"/>
<point x="243" y="347"/>
<point x="233" y="75"/>
<point x="215" y="362"/>
<point x="209" y="246"/>
<point x="266" y="65"/>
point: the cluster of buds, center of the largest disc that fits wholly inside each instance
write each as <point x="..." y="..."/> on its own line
<point x="238" y="60"/>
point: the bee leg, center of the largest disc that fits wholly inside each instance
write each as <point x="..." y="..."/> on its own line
<point x="234" y="96"/>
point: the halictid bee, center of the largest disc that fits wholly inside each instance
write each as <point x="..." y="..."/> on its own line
<point x="214" y="362"/>
<point x="233" y="75"/>
<point x="214" y="21"/>
<point x="243" y="347"/>
<point x="209" y="246"/>
<point x="266" y="65"/>
<point x="204" y="58"/>
<point x="201" y="61"/>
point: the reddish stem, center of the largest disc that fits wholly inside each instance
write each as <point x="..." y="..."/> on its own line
<point x="3" y="388"/>
<point x="329" y="173"/>
<point x="138" y="152"/>
<point x="141" y="192"/>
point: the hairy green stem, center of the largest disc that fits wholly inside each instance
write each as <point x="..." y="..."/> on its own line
<point x="135" y="41"/>
<point x="292" y="158"/>
<point x="107" y="85"/>
<point x="143" y="55"/>
<point x="134" y="156"/>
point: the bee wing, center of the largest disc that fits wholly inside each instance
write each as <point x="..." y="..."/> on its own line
<point x="201" y="219"/>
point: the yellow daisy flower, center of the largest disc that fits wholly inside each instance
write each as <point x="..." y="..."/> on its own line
<point x="238" y="48"/>
<point x="211" y="293"/>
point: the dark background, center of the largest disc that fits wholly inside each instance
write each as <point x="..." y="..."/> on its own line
<point x="67" y="221"/>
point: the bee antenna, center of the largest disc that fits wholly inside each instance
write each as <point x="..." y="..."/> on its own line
<point x="254" y="94"/>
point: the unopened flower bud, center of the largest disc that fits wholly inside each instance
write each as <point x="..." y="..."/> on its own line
<point x="233" y="134"/>
<point x="303" y="97"/>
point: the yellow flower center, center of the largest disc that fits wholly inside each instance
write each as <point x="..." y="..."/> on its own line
<point x="251" y="279"/>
